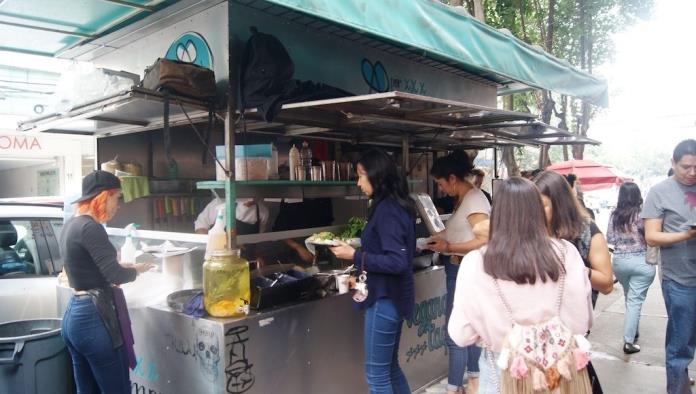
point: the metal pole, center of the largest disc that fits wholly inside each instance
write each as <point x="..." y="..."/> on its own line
<point x="132" y="5"/>
<point x="48" y="29"/>
<point x="230" y="185"/>
<point x="404" y="155"/>
<point x="495" y="162"/>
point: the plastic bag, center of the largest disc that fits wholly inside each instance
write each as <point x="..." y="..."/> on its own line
<point x="82" y="82"/>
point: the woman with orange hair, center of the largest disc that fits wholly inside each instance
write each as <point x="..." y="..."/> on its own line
<point x="90" y="328"/>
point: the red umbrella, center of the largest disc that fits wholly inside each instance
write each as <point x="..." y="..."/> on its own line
<point x="591" y="175"/>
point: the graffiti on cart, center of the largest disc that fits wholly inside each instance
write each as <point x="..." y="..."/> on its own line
<point x="181" y="346"/>
<point x="424" y="317"/>
<point x="146" y="369"/>
<point x="208" y="352"/>
<point x="140" y="389"/>
<point x="238" y="370"/>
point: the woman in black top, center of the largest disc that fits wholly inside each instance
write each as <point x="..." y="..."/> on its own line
<point x="90" y="325"/>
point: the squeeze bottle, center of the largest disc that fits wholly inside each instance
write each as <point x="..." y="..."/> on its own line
<point x="217" y="238"/>
<point x="128" y="249"/>
<point x="293" y="161"/>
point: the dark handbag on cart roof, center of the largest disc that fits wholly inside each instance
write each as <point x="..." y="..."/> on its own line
<point x="186" y="79"/>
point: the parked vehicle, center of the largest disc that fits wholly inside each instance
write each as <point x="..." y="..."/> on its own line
<point x="29" y="259"/>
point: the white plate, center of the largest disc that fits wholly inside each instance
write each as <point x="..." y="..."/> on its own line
<point x="329" y="242"/>
<point x="354" y="242"/>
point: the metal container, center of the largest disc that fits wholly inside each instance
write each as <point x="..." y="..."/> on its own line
<point x="329" y="170"/>
<point x="226" y="290"/>
<point x="345" y="171"/>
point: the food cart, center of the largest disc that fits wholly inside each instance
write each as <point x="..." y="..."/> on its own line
<point x="416" y="90"/>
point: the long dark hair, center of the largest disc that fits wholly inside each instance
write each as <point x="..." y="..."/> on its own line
<point x="627" y="208"/>
<point x="456" y="163"/>
<point x="520" y="248"/>
<point x="569" y="218"/>
<point x="385" y="180"/>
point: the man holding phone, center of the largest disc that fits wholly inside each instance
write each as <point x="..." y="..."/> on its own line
<point x="669" y="212"/>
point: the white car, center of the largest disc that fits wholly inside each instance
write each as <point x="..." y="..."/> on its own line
<point x="29" y="260"/>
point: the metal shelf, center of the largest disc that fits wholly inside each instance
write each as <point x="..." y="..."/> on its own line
<point x="125" y="112"/>
<point x="221" y="184"/>
<point x="285" y="188"/>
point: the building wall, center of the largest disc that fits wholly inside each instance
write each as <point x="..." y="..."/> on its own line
<point x="61" y="152"/>
<point x="23" y="181"/>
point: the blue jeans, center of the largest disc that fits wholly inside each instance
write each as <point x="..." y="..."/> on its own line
<point x="382" y="335"/>
<point x="636" y="276"/>
<point x="680" y="340"/>
<point x="489" y="379"/>
<point x="461" y="359"/>
<point x="98" y="367"/>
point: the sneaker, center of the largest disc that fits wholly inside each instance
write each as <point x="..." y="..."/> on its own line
<point x="630" y="348"/>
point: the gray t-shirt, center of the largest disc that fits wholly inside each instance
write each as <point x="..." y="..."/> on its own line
<point x="668" y="200"/>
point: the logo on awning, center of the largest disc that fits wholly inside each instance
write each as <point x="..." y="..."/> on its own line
<point x="191" y="47"/>
<point x="375" y="75"/>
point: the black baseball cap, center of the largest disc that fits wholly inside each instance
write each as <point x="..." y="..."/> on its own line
<point x="96" y="182"/>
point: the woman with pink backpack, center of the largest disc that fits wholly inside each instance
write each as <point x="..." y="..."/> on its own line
<point x="526" y="298"/>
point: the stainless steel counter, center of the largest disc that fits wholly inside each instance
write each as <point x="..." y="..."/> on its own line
<point x="313" y="347"/>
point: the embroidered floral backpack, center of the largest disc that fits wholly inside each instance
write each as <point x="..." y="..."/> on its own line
<point x="543" y="357"/>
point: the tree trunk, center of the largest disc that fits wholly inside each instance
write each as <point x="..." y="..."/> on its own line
<point x="523" y="26"/>
<point x="478" y="10"/>
<point x="546" y="103"/>
<point x="550" y="26"/>
<point x="508" y="151"/>
<point x="586" y="46"/>
<point x="563" y="124"/>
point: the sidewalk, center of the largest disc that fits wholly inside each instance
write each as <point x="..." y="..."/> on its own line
<point x="642" y="372"/>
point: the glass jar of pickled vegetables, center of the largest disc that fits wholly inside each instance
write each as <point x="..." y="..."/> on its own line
<point x="226" y="290"/>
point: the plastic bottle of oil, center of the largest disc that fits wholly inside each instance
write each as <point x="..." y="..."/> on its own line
<point x="226" y="291"/>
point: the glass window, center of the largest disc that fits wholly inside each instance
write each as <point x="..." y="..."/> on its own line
<point x="57" y="226"/>
<point x="18" y="251"/>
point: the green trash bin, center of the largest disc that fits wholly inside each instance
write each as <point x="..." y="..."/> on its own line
<point x="33" y="358"/>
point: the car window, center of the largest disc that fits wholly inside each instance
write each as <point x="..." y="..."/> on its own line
<point x="19" y="254"/>
<point x="57" y="226"/>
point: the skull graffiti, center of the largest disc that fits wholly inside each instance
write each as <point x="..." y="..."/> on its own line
<point x="207" y="352"/>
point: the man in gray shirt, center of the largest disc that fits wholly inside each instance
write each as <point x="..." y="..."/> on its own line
<point x="670" y="223"/>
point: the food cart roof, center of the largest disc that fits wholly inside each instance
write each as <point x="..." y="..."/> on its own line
<point x="49" y="27"/>
<point x="432" y="32"/>
<point x="422" y="30"/>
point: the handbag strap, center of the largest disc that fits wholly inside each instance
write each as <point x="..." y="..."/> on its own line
<point x="559" y="297"/>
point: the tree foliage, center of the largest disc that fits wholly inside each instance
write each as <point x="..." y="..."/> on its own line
<point x="578" y="31"/>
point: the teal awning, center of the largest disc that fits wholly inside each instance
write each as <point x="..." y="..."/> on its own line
<point x="437" y="31"/>
<point x="49" y="27"/>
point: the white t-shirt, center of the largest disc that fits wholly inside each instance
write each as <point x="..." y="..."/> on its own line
<point x="245" y="214"/>
<point x="458" y="229"/>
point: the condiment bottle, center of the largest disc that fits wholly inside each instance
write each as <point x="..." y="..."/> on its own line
<point x="306" y="159"/>
<point x="217" y="238"/>
<point x="293" y="161"/>
<point x="226" y="291"/>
